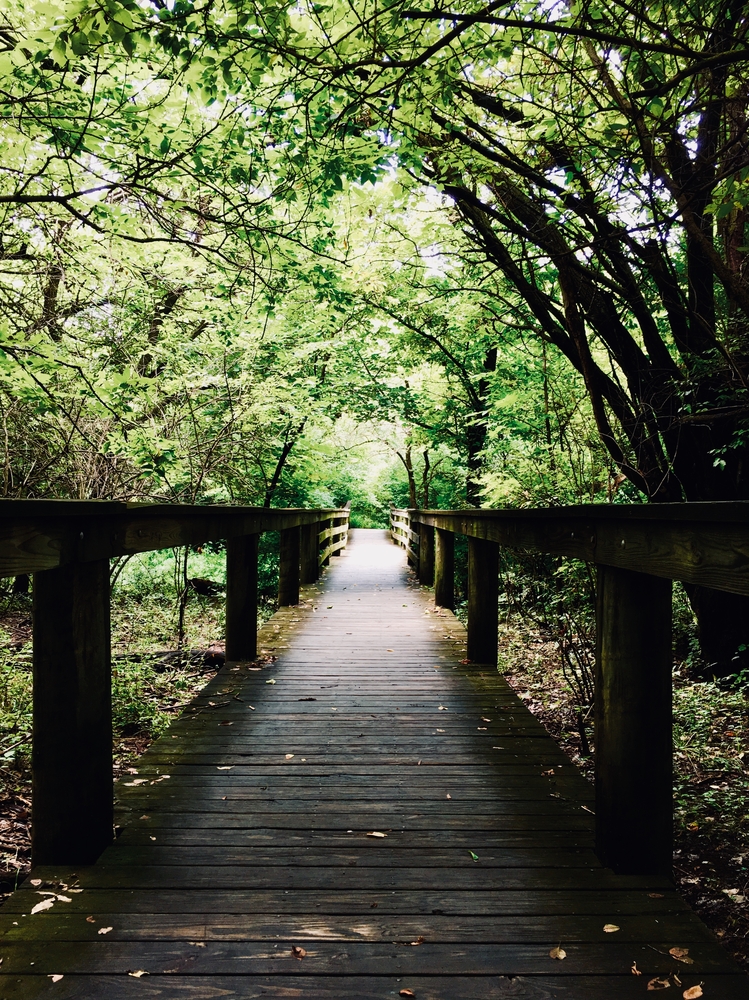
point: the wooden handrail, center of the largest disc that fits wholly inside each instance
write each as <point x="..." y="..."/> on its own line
<point x="67" y="545"/>
<point x="638" y="550"/>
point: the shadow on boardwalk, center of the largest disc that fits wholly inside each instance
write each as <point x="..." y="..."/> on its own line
<point x="364" y="816"/>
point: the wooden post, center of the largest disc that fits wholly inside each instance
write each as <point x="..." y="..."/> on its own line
<point x="310" y="548"/>
<point x="241" y="597"/>
<point x="288" y="570"/>
<point x="444" y="569"/>
<point x="483" y="600"/>
<point x="634" y="808"/>
<point x="72" y="818"/>
<point x="426" y="555"/>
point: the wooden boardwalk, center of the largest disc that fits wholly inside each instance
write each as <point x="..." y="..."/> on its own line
<point x="252" y="861"/>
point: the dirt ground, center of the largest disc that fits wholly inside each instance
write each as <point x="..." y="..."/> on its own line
<point x="711" y="856"/>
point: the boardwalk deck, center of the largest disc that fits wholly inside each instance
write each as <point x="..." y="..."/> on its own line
<point x="248" y="832"/>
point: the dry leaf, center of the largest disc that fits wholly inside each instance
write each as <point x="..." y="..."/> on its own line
<point x="681" y="955"/>
<point x="419" y="940"/>
<point x="271" y="681"/>
<point x="406" y="993"/>
<point x="226" y="767"/>
<point x="558" y="952"/>
<point x="448" y="796"/>
<point x="289" y="756"/>
<point x="656" y="895"/>
<point x="634" y="970"/>
<point x="440" y="730"/>
<point x="376" y="833"/>
<point x="388" y="650"/>
<point x="481" y="729"/>
<point x="105" y="930"/>
<point x="90" y="920"/>
<point x="225" y="723"/>
<point x="692" y="993"/>
<point x="298" y="952"/>
<point x="485" y="720"/>
<point x="659" y="984"/>
<point x="442" y="709"/>
<point x="35" y="881"/>
<point x="45" y="904"/>
<point x="138" y="973"/>
<point x="56" y="977"/>
<point x="610" y="928"/>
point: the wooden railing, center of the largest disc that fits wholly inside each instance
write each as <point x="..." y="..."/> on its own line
<point x="67" y="545"/>
<point x="638" y="550"/>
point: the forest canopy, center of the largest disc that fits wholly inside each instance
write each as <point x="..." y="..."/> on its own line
<point x="269" y="252"/>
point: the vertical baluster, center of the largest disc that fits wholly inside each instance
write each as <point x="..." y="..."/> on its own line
<point x="634" y="807"/>
<point x="72" y="820"/>
<point x="444" y="569"/>
<point x="483" y="600"/>
<point x="241" y="597"/>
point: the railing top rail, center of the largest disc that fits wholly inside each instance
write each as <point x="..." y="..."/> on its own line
<point x="706" y="544"/>
<point x="44" y="534"/>
<point x="87" y="508"/>
<point x="724" y="510"/>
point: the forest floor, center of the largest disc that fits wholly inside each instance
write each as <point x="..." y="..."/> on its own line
<point x="711" y="765"/>
<point x="150" y="687"/>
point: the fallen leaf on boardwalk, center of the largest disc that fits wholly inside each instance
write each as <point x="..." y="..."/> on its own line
<point x="105" y="930"/>
<point x="138" y="973"/>
<point x="681" y="955"/>
<point x="298" y="952"/>
<point x="659" y="984"/>
<point x="65" y="899"/>
<point x="419" y="940"/>
<point x="389" y="651"/>
<point x="442" y="709"/>
<point x="145" y="816"/>
<point x="634" y="970"/>
<point x="289" y="756"/>
<point x="406" y="993"/>
<point x="550" y="771"/>
<point x="271" y="681"/>
<point x="226" y="723"/>
<point x="440" y="730"/>
<point x="45" y="904"/>
<point x="225" y="767"/>
<point x="481" y="729"/>
<point x="559" y="953"/>
<point x="35" y="881"/>
<point x="90" y="920"/>
<point x="136" y="781"/>
<point x="591" y="811"/>
<point x="56" y="977"/>
<point x="656" y="895"/>
<point x="474" y="856"/>
<point x="610" y="928"/>
<point x="692" y="993"/>
<point x="376" y="833"/>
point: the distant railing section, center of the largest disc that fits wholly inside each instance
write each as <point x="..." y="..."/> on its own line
<point x="67" y="546"/>
<point x="638" y="551"/>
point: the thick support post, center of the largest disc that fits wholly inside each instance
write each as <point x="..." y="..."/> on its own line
<point x="72" y="819"/>
<point x="426" y="555"/>
<point x="288" y="570"/>
<point x="634" y="808"/>
<point x="444" y="569"/>
<point x="310" y="548"/>
<point x="241" y="597"/>
<point x="483" y="600"/>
